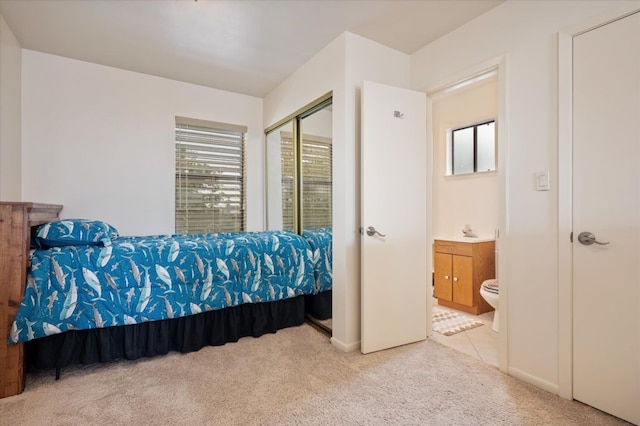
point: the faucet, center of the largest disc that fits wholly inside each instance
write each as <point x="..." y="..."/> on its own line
<point x="468" y="232"/>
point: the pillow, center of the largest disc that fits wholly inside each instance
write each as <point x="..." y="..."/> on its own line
<point x="75" y="232"/>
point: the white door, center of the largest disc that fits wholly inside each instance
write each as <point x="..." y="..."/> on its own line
<point x="394" y="203"/>
<point x="606" y="203"/>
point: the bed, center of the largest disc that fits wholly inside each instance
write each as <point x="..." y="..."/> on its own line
<point x="320" y="240"/>
<point x="92" y="296"/>
<point x="17" y="219"/>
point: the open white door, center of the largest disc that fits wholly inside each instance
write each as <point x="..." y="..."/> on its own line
<point x="394" y="203"/>
<point x="606" y="218"/>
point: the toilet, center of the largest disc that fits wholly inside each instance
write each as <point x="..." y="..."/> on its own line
<point x="490" y="292"/>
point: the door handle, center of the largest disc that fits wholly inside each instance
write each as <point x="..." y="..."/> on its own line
<point x="371" y="231"/>
<point x="587" y="238"/>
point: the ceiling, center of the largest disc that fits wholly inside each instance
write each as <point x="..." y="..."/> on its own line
<point x="242" y="46"/>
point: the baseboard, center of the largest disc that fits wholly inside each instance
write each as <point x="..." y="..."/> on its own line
<point x="536" y="381"/>
<point x="345" y="347"/>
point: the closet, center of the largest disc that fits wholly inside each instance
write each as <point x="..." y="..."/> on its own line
<point x="299" y="155"/>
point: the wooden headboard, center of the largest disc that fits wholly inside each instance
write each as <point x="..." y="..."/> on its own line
<point x="16" y="220"/>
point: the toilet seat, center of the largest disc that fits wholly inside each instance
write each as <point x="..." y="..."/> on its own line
<point x="490" y="291"/>
<point x="491" y="286"/>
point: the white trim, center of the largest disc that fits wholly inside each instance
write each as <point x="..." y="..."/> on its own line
<point x="473" y="81"/>
<point x="345" y="347"/>
<point x="186" y="121"/>
<point x="429" y="236"/>
<point x="565" y="173"/>
<point x="502" y="234"/>
<point x="605" y="18"/>
<point x="526" y="377"/>
<point x="438" y="89"/>
<point x="499" y="63"/>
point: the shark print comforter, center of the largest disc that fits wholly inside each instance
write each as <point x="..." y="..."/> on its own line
<point x="138" y="279"/>
<point x="320" y="240"/>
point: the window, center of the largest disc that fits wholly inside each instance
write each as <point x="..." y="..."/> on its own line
<point x="210" y="177"/>
<point x="473" y="149"/>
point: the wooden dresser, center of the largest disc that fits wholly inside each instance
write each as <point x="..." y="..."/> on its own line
<point x="459" y="270"/>
<point x="16" y="220"/>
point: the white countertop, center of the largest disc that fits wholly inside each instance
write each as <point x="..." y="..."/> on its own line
<point x="465" y="239"/>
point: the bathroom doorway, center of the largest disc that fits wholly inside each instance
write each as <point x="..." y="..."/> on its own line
<point x="467" y="203"/>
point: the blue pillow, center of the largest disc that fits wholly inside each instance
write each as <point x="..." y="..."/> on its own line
<point x="75" y="232"/>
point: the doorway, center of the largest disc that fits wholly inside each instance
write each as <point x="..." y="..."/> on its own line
<point x="496" y="352"/>
<point x="465" y="197"/>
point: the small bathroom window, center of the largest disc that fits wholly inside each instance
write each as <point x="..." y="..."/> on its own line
<point x="473" y="149"/>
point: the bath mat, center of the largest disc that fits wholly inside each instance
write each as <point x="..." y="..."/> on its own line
<point x="450" y="323"/>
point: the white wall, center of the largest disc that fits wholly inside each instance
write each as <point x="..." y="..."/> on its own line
<point x="10" y="114"/>
<point x="470" y="199"/>
<point x="341" y="67"/>
<point x="100" y="141"/>
<point x="526" y="33"/>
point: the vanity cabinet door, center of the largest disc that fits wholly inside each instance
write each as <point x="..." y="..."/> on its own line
<point x="462" y="271"/>
<point x="453" y="278"/>
<point x="459" y="270"/>
<point x="442" y="276"/>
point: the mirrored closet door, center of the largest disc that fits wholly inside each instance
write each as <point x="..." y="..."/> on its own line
<point x="280" y="172"/>
<point x="299" y="193"/>
<point x="316" y="169"/>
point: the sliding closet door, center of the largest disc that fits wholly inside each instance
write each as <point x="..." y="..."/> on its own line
<point x="315" y="170"/>
<point x="280" y="179"/>
<point x="299" y="171"/>
<point x="300" y="190"/>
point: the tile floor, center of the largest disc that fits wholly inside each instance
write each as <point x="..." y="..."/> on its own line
<point x="480" y="342"/>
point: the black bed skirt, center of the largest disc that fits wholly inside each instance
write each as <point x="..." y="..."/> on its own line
<point x="185" y="334"/>
<point x="319" y="305"/>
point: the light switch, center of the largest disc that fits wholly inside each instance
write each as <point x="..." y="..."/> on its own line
<point x="542" y="181"/>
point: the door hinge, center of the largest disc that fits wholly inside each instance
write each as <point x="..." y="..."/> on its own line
<point x="571" y="236"/>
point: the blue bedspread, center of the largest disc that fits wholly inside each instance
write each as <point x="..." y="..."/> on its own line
<point x="139" y="279"/>
<point x="320" y="240"/>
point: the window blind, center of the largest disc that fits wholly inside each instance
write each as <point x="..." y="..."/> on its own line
<point x="210" y="177"/>
<point x="287" y="164"/>
<point x="316" y="181"/>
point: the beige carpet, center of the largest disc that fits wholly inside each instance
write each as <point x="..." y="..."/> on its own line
<point x="450" y="323"/>
<point x="294" y="377"/>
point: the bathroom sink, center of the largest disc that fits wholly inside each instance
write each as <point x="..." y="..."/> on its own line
<point x="464" y="239"/>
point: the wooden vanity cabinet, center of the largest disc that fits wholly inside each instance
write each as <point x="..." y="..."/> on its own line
<point x="460" y="268"/>
<point x="16" y="222"/>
